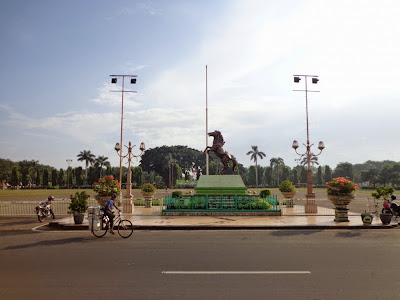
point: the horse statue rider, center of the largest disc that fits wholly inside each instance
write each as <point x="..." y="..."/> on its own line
<point x="218" y="149"/>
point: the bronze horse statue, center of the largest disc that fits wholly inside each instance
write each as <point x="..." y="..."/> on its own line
<point x="218" y="149"/>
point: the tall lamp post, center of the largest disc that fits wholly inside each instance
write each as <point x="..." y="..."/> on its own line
<point x="310" y="207"/>
<point x="127" y="205"/>
<point x="114" y="80"/>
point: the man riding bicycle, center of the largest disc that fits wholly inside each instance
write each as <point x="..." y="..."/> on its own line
<point x="109" y="213"/>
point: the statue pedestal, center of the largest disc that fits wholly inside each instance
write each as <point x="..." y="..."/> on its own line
<point x="220" y="185"/>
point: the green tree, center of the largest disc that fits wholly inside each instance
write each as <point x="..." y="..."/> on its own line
<point x="328" y="174"/>
<point x="313" y="160"/>
<point x="252" y="176"/>
<point x="369" y="175"/>
<point x="303" y="175"/>
<point x="54" y="177"/>
<point x="6" y="166"/>
<point x="100" y="162"/>
<point x="15" y="176"/>
<point x="61" y="178"/>
<point x="46" y="177"/>
<point x="295" y="176"/>
<point x="344" y="170"/>
<point x="88" y="158"/>
<point x="319" y="178"/>
<point x="276" y="164"/>
<point x="285" y="173"/>
<point x="137" y="176"/>
<point x="78" y="176"/>
<point x="255" y="153"/>
<point x="155" y="159"/>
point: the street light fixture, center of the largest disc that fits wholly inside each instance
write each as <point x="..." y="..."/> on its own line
<point x="128" y="196"/>
<point x="311" y="207"/>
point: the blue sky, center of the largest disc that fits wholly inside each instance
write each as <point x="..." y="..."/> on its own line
<point x="56" y="58"/>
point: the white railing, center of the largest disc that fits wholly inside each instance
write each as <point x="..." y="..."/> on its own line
<point x="326" y="208"/>
<point x="60" y="207"/>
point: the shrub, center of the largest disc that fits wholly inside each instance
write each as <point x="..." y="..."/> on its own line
<point x="176" y="194"/>
<point x="287" y="186"/>
<point x="265" y="193"/>
<point x="78" y="203"/>
<point x="148" y="188"/>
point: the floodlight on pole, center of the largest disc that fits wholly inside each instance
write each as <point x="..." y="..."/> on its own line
<point x="122" y="91"/>
<point x="310" y="196"/>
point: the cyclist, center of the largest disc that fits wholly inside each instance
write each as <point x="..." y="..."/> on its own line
<point x="109" y="213"/>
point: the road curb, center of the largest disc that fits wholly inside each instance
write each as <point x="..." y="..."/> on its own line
<point x="57" y="226"/>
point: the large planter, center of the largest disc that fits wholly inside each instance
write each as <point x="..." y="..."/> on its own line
<point x="289" y="198"/>
<point x="102" y="200"/>
<point x="148" y="198"/>
<point x="341" y="209"/>
<point x="78" y="218"/>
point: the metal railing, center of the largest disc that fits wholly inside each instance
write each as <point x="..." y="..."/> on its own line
<point x="221" y="203"/>
<point x="296" y="208"/>
<point x="60" y="207"/>
<point x="326" y="208"/>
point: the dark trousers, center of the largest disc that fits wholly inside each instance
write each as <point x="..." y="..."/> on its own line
<point x="111" y="216"/>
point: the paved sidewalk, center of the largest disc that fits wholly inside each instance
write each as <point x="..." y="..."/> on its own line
<point x="232" y="222"/>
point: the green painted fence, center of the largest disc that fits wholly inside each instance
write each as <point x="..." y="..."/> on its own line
<point x="221" y="203"/>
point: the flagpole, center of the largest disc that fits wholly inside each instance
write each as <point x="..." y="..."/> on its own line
<point x="207" y="156"/>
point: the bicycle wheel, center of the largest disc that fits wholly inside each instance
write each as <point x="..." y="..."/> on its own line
<point x="99" y="232"/>
<point x="125" y="228"/>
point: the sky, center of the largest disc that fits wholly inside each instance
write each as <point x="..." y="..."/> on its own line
<point x="56" y="58"/>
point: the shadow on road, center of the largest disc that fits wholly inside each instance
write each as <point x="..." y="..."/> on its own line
<point x="348" y="234"/>
<point x="50" y="243"/>
<point x="294" y="232"/>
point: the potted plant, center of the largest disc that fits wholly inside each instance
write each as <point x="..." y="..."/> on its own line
<point x="104" y="188"/>
<point x="148" y="191"/>
<point x="340" y="193"/>
<point x="78" y="206"/>
<point x="288" y="191"/>
<point x="384" y="192"/>
<point x="367" y="218"/>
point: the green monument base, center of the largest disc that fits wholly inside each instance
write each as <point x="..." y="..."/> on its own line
<point x="220" y="185"/>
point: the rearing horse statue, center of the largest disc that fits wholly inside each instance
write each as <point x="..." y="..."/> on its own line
<point x="218" y="149"/>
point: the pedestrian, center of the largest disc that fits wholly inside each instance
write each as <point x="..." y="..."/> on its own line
<point x="109" y="213"/>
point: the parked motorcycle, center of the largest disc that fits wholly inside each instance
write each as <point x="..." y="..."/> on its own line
<point x="395" y="208"/>
<point x="43" y="210"/>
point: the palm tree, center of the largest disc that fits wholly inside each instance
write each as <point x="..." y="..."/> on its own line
<point x="87" y="157"/>
<point x="313" y="160"/>
<point x="100" y="162"/>
<point x="254" y="154"/>
<point x="276" y="164"/>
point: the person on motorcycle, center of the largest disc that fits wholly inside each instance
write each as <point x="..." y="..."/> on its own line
<point x="108" y="211"/>
<point x="48" y="202"/>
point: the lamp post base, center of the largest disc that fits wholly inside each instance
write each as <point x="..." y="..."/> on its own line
<point x="310" y="207"/>
<point x="127" y="204"/>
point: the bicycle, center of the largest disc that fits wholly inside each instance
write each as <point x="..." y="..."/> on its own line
<point x="124" y="227"/>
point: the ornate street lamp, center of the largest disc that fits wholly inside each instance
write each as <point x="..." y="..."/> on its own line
<point x="128" y="196"/>
<point x="310" y="207"/>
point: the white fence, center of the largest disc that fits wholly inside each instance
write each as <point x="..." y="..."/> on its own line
<point x="60" y="207"/>
<point x="326" y="208"/>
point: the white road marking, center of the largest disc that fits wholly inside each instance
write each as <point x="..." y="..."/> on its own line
<point x="231" y="272"/>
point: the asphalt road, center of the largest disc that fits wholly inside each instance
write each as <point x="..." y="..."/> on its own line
<point x="279" y="264"/>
